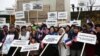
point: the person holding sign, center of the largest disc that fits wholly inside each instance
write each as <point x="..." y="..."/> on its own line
<point x="97" y="27"/>
<point x="12" y="49"/>
<point x="51" y="47"/>
<point x="34" y="39"/>
<point x="63" y="48"/>
<point x="24" y="33"/>
<point x="76" y="47"/>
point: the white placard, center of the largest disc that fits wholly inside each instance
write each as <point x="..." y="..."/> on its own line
<point x="52" y="15"/>
<point x="64" y="24"/>
<point x="19" y="15"/>
<point x="31" y="47"/>
<point x="62" y="15"/>
<point x="86" y="38"/>
<point x="37" y="5"/>
<point x="19" y="43"/>
<point x="76" y="22"/>
<point x="51" y="22"/>
<point x="20" y="23"/>
<point x="2" y="20"/>
<point x="51" y="39"/>
<point x="82" y="3"/>
<point x="7" y="43"/>
<point x="27" y="6"/>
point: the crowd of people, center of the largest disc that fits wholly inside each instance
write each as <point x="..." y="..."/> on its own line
<point x="36" y="34"/>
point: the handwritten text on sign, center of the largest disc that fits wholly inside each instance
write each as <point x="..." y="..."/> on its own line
<point x="51" y="39"/>
<point x="86" y="38"/>
<point x="31" y="47"/>
<point x="19" y="43"/>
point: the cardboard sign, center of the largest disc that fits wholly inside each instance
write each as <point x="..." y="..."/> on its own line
<point x="7" y="43"/>
<point x="2" y="20"/>
<point x="19" y="43"/>
<point x="76" y="22"/>
<point x="82" y="3"/>
<point x="19" y="15"/>
<point x="51" y="22"/>
<point x="52" y="15"/>
<point x="27" y="6"/>
<point x="20" y="23"/>
<point x="64" y="24"/>
<point x="51" y="39"/>
<point x="32" y="47"/>
<point x="62" y="15"/>
<point x="37" y="5"/>
<point x="86" y="38"/>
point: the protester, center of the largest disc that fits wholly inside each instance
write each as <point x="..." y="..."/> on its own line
<point x="63" y="48"/>
<point x="76" y="47"/>
<point x="53" y="47"/>
<point x="97" y="27"/>
<point x="24" y="34"/>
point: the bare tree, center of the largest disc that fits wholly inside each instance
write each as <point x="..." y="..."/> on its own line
<point x="90" y="4"/>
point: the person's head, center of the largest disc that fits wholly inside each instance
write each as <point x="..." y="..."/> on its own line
<point x="84" y="27"/>
<point x="29" y="28"/>
<point x="33" y="32"/>
<point x="52" y="29"/>
<point x="77" y="29"/>
<point x="67" y="28"/>
<point x="97" y="27"/>
<point x="12" y="28"/>
<point x="61" y="31"/>
<point x="23" y="29"/>
<point x="5" y="28"/>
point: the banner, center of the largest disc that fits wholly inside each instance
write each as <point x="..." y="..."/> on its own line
<point x="51" y="39"/>
<point x="27" y="6"/>
<point x="76" y="22"/>
<point x="7" y="43"/>
<point x="19" y="43"/>
<point x="87" y="38"/>
<point x="51" y="22"/>
<point x="31" y="47"/>
<point x="2" y="20"/>
<point x="19" y="15"/>
<point x="62" y="15"/>
<point x="52" y="15"/>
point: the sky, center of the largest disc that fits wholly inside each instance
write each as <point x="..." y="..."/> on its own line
<point x="10" y="3"/>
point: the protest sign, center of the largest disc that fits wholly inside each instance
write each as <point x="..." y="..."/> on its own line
<point x="19" y="15"/>
<point x="62" y="15"/>
<point x="86" y="38"/>
<point x="51" y="39"/>
<point x="31" y="47"/>
<point x="64" y="24"/>
<point x="51" y="22"/>
<point x="52" y="15"/>
<point x="2" y="20"/>
<point x="20" y="23"/>
<point x="76" y="22"/>
<point x="7" y="44"/>
<point x="37" y="5"/>
<point x="27" y="6"/>
<point x="19" y="43"/>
